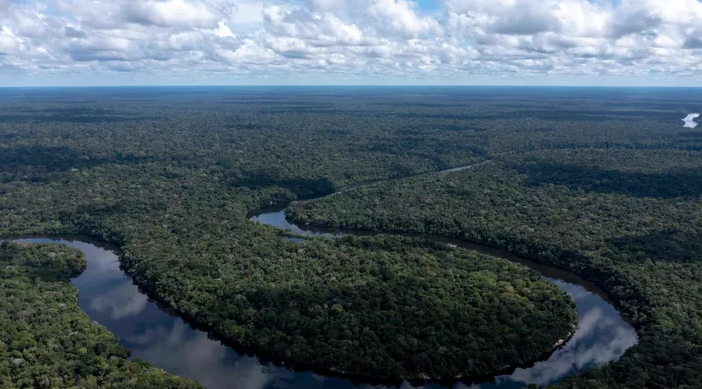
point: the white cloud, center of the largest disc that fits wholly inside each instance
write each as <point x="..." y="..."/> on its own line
<point x="403" y="17"/>
<point x="9" y="44"/>
<point x="192" y="354"/>
<point x="517" y="39"/>
<point x="121" y="302"/>
<point x="223" y="31"/>
<point x="328" y="5"/>
<point x="174" y="13"/>
<point x="247" y="12"/>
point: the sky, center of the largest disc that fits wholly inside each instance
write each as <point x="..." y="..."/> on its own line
<point x="351" y="42"/>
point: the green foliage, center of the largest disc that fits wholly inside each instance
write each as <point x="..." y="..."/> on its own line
<point x="624" y="219"/>
<point x="171" y="176"/>
<point x="386" y="307"/>
<point x="46" y="341"/>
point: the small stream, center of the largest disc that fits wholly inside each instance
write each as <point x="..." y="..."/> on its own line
<point x="154" y="334"/>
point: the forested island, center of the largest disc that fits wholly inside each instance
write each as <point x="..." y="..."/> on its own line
<point x="46" y="341"/>
<point x="601" y="183"/>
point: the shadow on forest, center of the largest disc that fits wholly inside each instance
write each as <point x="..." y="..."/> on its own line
<point x="413" y="131"/>
<point x="247" y="126"/>
<point x="70" y="119"/>
<point x="688" y="140"/>
<point x="684" y="183"/>
<point x="70" y="111"/>
<point x="304" y="109"/>
<point x="57" y="158"/>
<point x="671" y="245"/>
<point x="287" y="103"/>
<point x="569" y="116"/>
<point x="50" y="157"/>
<point x="690" y="135"/>
<point x="301" y="187"/>
<point x="119" y="208"/>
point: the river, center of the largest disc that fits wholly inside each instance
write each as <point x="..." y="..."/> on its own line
<point x="156" y="335"/>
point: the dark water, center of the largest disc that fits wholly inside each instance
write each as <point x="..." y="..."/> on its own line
<point x="602" y="335"/>
<point x="153" y="334"/>
<point x="108" y="296"/>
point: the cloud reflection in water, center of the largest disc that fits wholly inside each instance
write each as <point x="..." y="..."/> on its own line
<point x="168" y="343"/>
<point x="121" y="302"/>
<point x="193" y="354"/>
<point x="602" y="336"/>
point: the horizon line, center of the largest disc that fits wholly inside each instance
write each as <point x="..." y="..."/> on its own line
<point x="346" y="85"/>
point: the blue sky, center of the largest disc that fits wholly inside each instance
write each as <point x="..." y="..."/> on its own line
<point x="428" y="5"/>
<point x="424" y="42"/>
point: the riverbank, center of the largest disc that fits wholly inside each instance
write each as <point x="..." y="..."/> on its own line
<point x="47" y="341"/>
<point x="600" y="336"/>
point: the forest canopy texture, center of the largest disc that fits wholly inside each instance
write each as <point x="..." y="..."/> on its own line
<point x="173" y="185"/>
<point x="603" y="183"/>
<point x="46" y="341"/>
<point x="627" y="219"/>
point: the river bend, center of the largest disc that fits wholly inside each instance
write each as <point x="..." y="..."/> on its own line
<point x="157" y="336"/>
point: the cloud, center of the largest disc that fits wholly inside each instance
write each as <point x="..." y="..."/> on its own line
<point x="402" y="16"/>
<point x="175" y="13"/>
<point x="121" y="302"/>
<point x="370" y="39"/>
<point x="4" y="6"/>
<point x="328" y="5"/>
<point x="178" y="349"/>
<point x="694" y="40"/>
<point x="602" y="336"/>
<point x="9" y="43"/>
<point x="526" y="19"/>
<point x="580" y="352"/>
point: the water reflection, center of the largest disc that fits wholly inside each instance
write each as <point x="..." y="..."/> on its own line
<point x="601" y="337"/>
<point x="690" y="120"/>
<point x="121" y="302"/>
<point x="110" y="298"/>
<point x="277" y="219"/>
<point x="177" y="348"/>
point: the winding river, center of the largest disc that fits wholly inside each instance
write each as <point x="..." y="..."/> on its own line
<point x="154" y="334"/>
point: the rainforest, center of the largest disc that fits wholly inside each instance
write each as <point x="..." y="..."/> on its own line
<point x="600" y="183"/>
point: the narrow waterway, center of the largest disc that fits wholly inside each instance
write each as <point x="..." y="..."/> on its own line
<point x="602" y="335"/>
<point x="156" y="335"/>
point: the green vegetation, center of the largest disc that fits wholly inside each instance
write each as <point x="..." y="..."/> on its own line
<point x="171" y="175"/>
<point x="46" y="341"/>
<point x="174" y="192"/>
<point x="628" y="220"/>
<point x="387" y="307"/>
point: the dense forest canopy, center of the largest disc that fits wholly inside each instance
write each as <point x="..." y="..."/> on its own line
<point x="46" y="341"/>
<point x="603" y="182"/>
<point x="171" y="183"/>
<point x="630" y="220"/>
